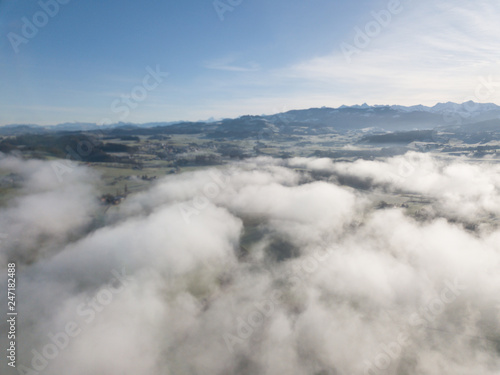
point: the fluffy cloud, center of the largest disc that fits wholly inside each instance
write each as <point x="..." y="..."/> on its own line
<point x="48" y="212"/>
<point x="264" y="266"/>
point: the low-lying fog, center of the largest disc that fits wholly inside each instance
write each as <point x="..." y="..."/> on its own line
<point x="266" y="266"/>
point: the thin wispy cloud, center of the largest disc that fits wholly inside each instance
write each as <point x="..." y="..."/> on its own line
<point x="432" y="50"/>
<point x="427" y="52"/>
<point x="230" y="65"/>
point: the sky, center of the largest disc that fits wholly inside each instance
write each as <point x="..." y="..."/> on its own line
<point x="92" y="61"/>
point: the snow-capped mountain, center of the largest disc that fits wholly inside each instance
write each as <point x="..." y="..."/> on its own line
<point x="318" y="120"/>
<point x="470" y="107"/>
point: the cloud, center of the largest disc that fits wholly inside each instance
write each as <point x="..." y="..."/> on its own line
<point x="47" y="213"/>
<point x="428" y="51"/>
<point x="275" y="267"/>
<point x="460" y="189"/>
<point x="229" y="64"/>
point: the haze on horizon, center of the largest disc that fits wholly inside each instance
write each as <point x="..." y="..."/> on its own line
<point x="85" y="59"/>
<point x="317" y="242"/>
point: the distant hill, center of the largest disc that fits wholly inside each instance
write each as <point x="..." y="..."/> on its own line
<point x="381" y="118"/>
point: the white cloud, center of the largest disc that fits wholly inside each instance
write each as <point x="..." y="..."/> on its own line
<point x="431" y="51"/>
<point x="229" y="64"/>
<point x="359" y="278"/>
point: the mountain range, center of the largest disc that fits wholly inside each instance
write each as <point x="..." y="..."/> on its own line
<point x="363" y="117"/>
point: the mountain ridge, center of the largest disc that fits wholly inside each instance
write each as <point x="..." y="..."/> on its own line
<point x="386" y="117"/>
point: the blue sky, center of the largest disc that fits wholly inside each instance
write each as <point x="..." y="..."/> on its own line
<point x="263" y="57"/>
